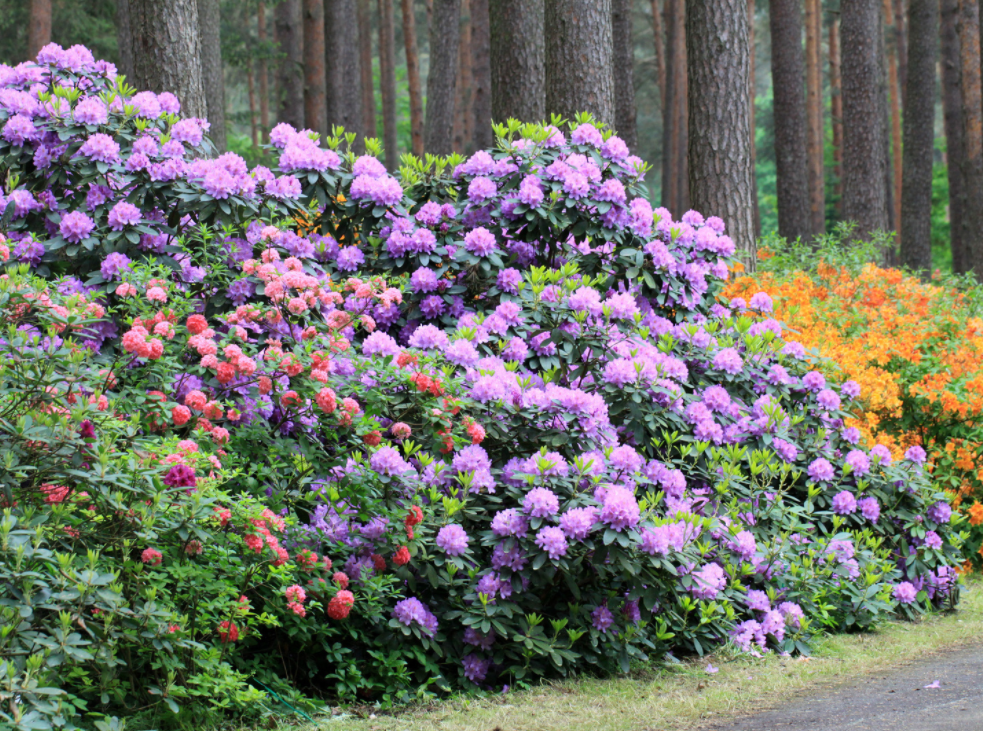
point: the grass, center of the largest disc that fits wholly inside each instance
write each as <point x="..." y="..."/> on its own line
<point x="686" y="696"/>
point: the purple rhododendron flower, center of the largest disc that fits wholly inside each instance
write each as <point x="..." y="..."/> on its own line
<point x="453" y="540"/>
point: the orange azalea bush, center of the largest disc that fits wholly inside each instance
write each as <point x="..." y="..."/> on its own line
<point x="915" y="348"/>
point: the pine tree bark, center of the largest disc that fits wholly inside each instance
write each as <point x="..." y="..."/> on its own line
<point x="756" y="208"/>
<point x="919" y="135"/>
<point x="481" y="103"/>
<point x="166" y="48"/>
<point x="290" y="82"/>
<point x="623" y="61"/>
<point x="463" y="113"/>
<point x="365" y="67"/>
<point x="836" y="110"/>
<point x="968" y="27"/>
<point x="815" y="135"/>
<point x="445" y="36"/>
<point x="864" y="194"/>
<point x="124" y="39"/>
<point x="342" y="67"/>
<point x="901" y="39"/>
<point x="387" y="81"/>
<point x="675" y="124"/>
<point x="579" y="75"/>
<point x="518" y="60"/>
<point x="315" y="117"/>
<point x="718" y="64"/>
<point x="251" y="90"/>
<point x="952" y="106"/>
<point x="895" y="96"/>
<point x="263" y="75"/>
<point x="792" y="149"/>
<point x="885" y="114"/>
<point x="413" y="78"/>
<point x="212" y="69"/>
<point x="658" y="35"/>
<point x="38" y="27"/>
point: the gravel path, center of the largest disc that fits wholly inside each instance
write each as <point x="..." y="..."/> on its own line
<point x="887" y="701"/>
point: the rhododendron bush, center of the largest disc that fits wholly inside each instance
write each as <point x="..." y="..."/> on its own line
<point x="341" y="434"/>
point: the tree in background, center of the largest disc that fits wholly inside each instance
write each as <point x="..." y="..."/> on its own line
<point x="212" y="69"/>
<point x="675" y="112"/>
<point x="290" y="80"/>
<point x="718" y="65"/>
<point x="39" y="27"/>
<point x="387" y="81"/>
<point x="815" y="128"/>
<point x="579" y="75"/>
<point x="342" y="67"/>
<point x="463" y="113"/>
<point x="623" y="60"/>
<point x="791" y="146"/>
<point x="413" y="78"/>
<point x="518" y="60"/>
<point x="315" y="110"/>
<point x="968" y="26"/>
<point x="952" y="108"/>
<point x="445" y="34"/>
<point x="864" y="194"/>
<point x="263" y="74"/>
<point x="166" y="50"/>
<point x="836" y="110"/>
<point x="124" y="38"/>
<point x="365" y="67"/>
<point x="919" y="135"/>
<point x="481" y="101"/>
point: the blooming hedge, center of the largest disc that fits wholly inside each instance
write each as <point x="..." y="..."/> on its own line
<point x="334" y="433"/>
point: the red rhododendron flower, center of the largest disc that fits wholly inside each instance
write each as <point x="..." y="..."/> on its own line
<point x="379" y="562"/>
<point x="402" y="556"/>
<point x="228" y="631"/>
<point x="151" y="556"/>
<point x="341" y="604"/>
<point x="340" y="578"/>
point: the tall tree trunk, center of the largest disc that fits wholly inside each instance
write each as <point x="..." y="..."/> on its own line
<point x="675" y="125"/>
<point x="251" y="86"/>
<point x="623" y="61"/>
<point x="894" y="89"/>
<point x="212" y="69"/>
<point x="413" y="78"/>
<point x="754" y="144"/>
<point x="792" y="149"/>
<point x="124" y="39"/>
<point x="718" y="61"/>
<point x="445" y="35"/>
<point x="365" y="67"/>
<point x="463" y="114"/>
<point x="901" y="39"/>
<point x="482" y="135"/>
<point x="290" y="82"/>
<point x="952" y="105"/>
<point x="919" y="135"/>
<point x="885" y="114"/>
<point x="864" y="193"/>
<point x="166" y="50"/>
<point x="658" y="35"/>
<point x="263" y="75"/>
<point x="815" y="134"/>
<point x="972" y="161"/>
<point x="342" y="72"/>
<point x="315" y="116"/>
<point x="387" y="81"/>
<point x="518" y="60"/>
<point x="836" y="109"/>
<point x="38" y="27"/>
<point x="579" y="75"/>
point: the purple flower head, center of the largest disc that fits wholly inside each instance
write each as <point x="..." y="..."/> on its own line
<point x="480" y="241"/>
<point x="939" y="513"/>
<point x="915" y="454"/>
<point x="933" y="540"/>
<point x="180" y="475"/>
<point x="792" y="613"/>
<point x="412" y="611"/>
<point x="541" y="502"/>
<point x="76" y="226"/>
<point x="552" y="540"/>
<point x="479" y="639"/>
<point x="531" y="191"/>
<point x="509" y="523"/>
<point x="587" y="134"/>
<point x="814" y="381"/>
<point x="882" y="454"/>
<point x="729" y="361"/>
<point x="100" y="147"/>
<point x="123" y="214"/>
<point x="453" y="540"/>
<point x="620" y="510"/>
<point x="481" y="189"/>
<point x="844" y="503"/>
<point x="761" y="302"/>
<point x="114" y="265"/>
<point x="905" y="592"/>
<point x="708" y="582"/>
<point x="745" y="545"/>
<point x="475" y="668"/>
<point x="388" y="461"/>
<point x="601" y="618"/>
<point x="828" y="399"/>
<point x="577" y="523"/>
<point x="820" y="470"/>
<point x="758" y="601"/>
<point x="870" y="508"/>
<point x="858" y="461"/>
<point x="850" y="389"/>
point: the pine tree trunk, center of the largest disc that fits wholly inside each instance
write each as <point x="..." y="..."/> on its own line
<point x="251" y="86"/>
<point x="754" y="143"/>
<point x="718" y="62"/>
<point x="815" y="136"/>
<point x="658" y="35"/>
<point x="901" y="39"/>
<point x="792" y="149"/>
<point x="864" y="194"/>
<point x="623" y="61"/>
<point x="124" y="39"/>
<point x="579" y="75"/>
<point x="290" y="82"/>
<point x="463" y="113"/>
<point x="166" y="50"/>
<point x="919" y="135"/>
<point x="315" y="116"/>
<point x="885" y="114"/>
<point x="445" y="36"/>
<point x="894" y="89"/>
<point x="482" y="135"/>
<point x="387" y="81"/>
<point x="342" y="72"/>
<point x="972" y="161"/>
<point x="263" y="75"/>
<point x="952" y="105"/>
<point x="413" y="78"/>
<point x="38" y="27"/>
<point x="675" y="126"/>
<point x="836" y="110"/>
<point x="518" y="60"/>
<point x="212" y="69"/>
<point x="365" y="67"/>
